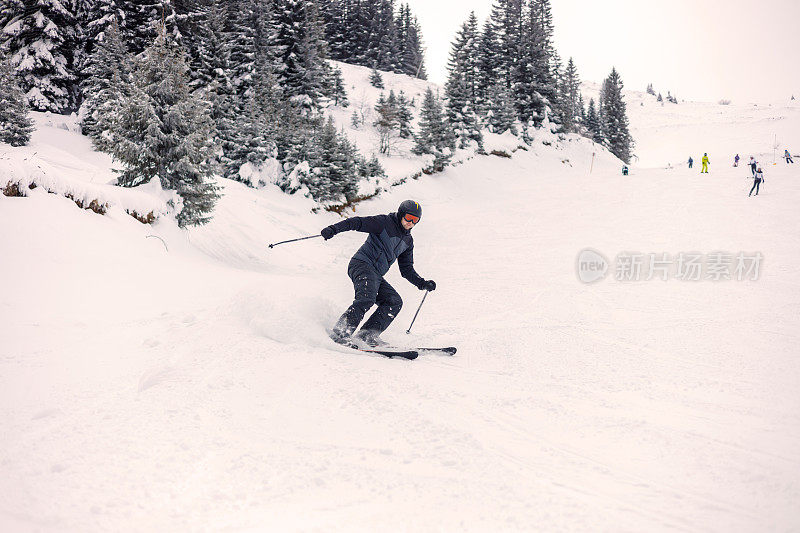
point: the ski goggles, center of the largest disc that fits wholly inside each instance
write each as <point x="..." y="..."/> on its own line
<point x="408" y="217"/>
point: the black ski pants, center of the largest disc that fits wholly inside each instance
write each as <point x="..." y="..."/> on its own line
<point x="370" y="288"/>
<point x="756" y="185"/>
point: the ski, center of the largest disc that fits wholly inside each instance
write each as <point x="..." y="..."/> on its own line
<point x="405" y="354"/>
<point x="386" y="352"/>
<point x="448" y="350"/>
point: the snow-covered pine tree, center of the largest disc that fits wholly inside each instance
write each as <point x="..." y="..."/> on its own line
<point x="386" y="122"/>
<point x="334" y="15"/>
<point x="593" y="125"/>
<point x="93" y="17"/>
<point x="302" y="49"/>
<point x="107" y="77"/>
<point x="16" y="124"/>
<point x="505" y="20"/>
<point x="164" y="131"/>
<point x="650" y="89"/>
<point x="351" y="162"/>
<point x="211" y="75"/>
<point x="376" y="80"/>
<point x="410" y="47"/>
<point x="368" y="33"/>
<point x="240" y="43"/>
<point x="296" y="137"/>
<point x="538" y="53"/>
<point x="615" y="120"/>
<point x="211" y="60"/>
<point x="659" y="98"/>
<point x="338" y="92"/>
<point x="381" y="49"/>
<point x="404" y="116"/>
<point x="489" y="67"/>
<point x="355" y="120"/>
<point x="249" y="116"/>
<point x="559" y="104"/>
<point x="352" y="165"/>
<point x="434" y="136"/>
<point x="255" y="132"/>
<point x="501" y="115"/>
<point x="572" y="95"/>
<point x="143" y="21"/>
<point x="332" y="172"/>
<point x="190" y="16"/>
<point x="9" y="9"/>
<point x="371" y="168"/>
<point x="402" y="21"/>
<point x="461" y="89"/>
<point x="40" y="39"/>
<point x="356" y="31"/>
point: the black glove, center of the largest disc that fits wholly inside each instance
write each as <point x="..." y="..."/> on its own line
<point x="428" y="285"/>
<point x="328" y="232"/>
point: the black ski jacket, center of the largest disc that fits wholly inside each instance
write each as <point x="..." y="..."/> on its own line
<point x="387" y="241"/>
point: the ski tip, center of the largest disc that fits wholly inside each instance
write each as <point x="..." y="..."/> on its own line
<point x="449" y="350"/>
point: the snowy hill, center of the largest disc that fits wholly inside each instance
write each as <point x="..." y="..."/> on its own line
<point x="667" y="134"/>
<point x="160" y="380"/>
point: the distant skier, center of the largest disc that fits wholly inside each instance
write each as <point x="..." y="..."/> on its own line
<point x="705" y="164"/>
<point x="758" y="177"/>
<point x="753" y="166"/>
<point x="624" y="170"/>
<point x="691" y="161"/>
<point x="389" y="239"/>
<point x="736" y="160"/>
<point x="788" y="157"/>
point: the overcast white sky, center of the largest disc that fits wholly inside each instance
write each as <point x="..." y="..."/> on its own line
<point x="745" y="50"/>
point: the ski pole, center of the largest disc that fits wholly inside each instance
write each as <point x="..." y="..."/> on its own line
<point x="418" y="308"/>
<point x="294" y="240"/>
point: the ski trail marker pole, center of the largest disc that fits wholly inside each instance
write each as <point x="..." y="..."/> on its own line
<point x="294" y="240"/>
<point x="418" y="308"/>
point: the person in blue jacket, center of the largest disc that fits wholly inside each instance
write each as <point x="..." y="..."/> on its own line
<point x="389" y="240"/>
<point x="788" y="157"/>
<point x="691" y="161"/>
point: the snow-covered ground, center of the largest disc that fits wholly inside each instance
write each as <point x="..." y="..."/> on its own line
<point x="159" y="380"/>
<point x="668" y="134"/>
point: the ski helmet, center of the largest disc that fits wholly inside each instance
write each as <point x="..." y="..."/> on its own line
<point x="409" y="207"/>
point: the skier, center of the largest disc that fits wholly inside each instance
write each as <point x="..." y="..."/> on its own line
<point x="758" y="177"/>
<point x="624" y="170"/>
<point x="705" y="164"/>
<point x="389" y="239"/>
<point x="788" y="157"/>
<point x="690" y="161"/>
<point x="736" y="160"/>
<point x="753" y="166"/>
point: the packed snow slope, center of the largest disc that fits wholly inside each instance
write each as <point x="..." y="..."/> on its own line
<point x="668" y="134"/>
<point x="159" y="380"/>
